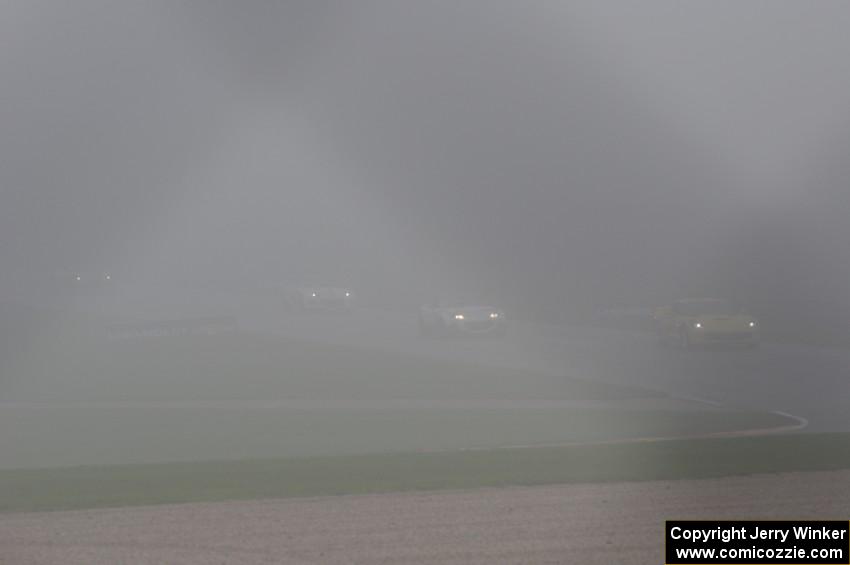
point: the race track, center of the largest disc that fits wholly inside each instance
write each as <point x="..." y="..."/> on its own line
<point x="604" y="523"/>
<point x="806" y="381"/>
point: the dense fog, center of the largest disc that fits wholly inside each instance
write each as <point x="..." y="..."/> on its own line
<point x="563" y="157"/>
<point x="303" y="249"/>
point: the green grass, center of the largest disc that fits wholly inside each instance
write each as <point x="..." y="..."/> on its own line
<point x="56" y="434"/>
<point x="250" y="396"/>
<point x="335" y="419"/>
<point x="92" y="487"/>
<point x="250" y="366"/>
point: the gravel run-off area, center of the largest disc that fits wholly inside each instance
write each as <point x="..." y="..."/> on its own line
<point x="581" y="523"/>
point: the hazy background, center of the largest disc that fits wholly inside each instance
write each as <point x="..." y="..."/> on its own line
<point x="559" y="156"/>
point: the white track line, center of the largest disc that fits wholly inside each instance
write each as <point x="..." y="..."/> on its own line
<point x="799" y="424"/>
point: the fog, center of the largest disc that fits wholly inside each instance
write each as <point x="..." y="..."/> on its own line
<point x="222" y="224"/>
<point x="309" y="248"/>
<point x="566" y="156"/>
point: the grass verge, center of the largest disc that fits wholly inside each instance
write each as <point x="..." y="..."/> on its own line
<point x="129" y="485"/>
<point x="58" y="435"/>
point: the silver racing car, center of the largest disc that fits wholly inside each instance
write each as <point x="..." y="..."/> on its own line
<point x="453" y="318"/>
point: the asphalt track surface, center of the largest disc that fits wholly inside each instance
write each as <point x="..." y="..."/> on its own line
<point x="809" y="382"/>
<point x="812" y="383"/>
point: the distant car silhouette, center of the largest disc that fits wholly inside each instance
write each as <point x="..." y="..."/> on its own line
<point x="452" y="318"/>
<point x="320" y="299"/>
<point x="85" y="280"/>
<point x="698" y="321"/>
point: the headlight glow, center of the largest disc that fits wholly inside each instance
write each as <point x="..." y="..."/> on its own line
<point x="314" y="295"/>
<point x="458" y="316"/>
<point x="752" y="324"/>
<point x="697" y="325"/>
<point x="494" y="315"/>
<point x="347" y="294"/>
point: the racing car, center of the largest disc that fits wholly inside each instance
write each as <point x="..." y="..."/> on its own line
<point x="700" y="321"/>
<point x="79" y="281"/>
<point x="320" y="299"/>
<point x="452" y="318"/>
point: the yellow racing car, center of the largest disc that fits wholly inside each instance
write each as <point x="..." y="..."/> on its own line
<point x="702" y="321"/>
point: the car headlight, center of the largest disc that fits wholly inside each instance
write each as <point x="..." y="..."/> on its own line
<point x="314" y="295"/>
<point x="458" y="316"/>
<point x="752" y="324"/>
<point x="494" y="315"/>
<point x="697" y="325"/>
<point x="347" y="294"/>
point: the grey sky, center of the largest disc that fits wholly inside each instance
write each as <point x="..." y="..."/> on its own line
<point x="764" y="83"/>
<point x="595" y="147"/>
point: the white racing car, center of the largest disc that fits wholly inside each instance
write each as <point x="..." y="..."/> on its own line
<point x="452" y="318"/>
<point x="320" y="299"/>
<point x="87" y="278"/>
<point x="84" y="281"/>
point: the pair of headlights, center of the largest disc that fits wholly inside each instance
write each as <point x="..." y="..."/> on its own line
<point x="493" y="316"/>
<point x="698" y="325"/>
